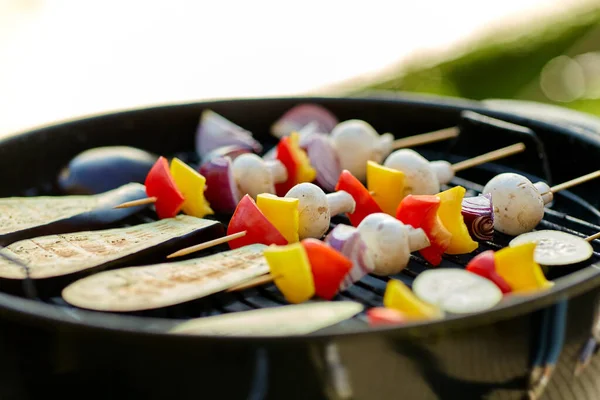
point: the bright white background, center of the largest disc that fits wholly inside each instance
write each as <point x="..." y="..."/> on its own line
<point x="61" y="59"/>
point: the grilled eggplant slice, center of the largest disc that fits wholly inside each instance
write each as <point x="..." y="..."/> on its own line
<point x="28" y="217"/>
<point x="73" y="254"/>
<point x="166" y="284"/>
<point x="296" y="319"/>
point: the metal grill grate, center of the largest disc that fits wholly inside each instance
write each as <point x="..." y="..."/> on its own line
<point x="370" y="289"/>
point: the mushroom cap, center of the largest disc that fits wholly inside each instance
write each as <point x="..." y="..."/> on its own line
<point x="356" y="142"/>
<point x="420" y="178"/>
<point x="518" y="206"/>
<point x="313" y="210"/>
<point x="388" y="242"/>
<point x="252" y="175"/>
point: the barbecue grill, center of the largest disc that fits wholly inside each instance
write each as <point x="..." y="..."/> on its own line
<point x="48" y="347"/>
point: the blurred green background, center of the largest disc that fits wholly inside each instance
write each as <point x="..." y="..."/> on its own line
<point x="553" y="61"/>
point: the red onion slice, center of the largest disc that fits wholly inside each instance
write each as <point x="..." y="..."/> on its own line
<point x="347" y="240"/>
<point x="221" y="190"/>
<point x="302" y="115"/>
<point x="478" y="214"/>
<point x="325" y="161"/>
<point x="215" y="131"/>
<point x="231" y="151"/>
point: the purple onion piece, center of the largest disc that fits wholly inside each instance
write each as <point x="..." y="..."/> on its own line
<point x="347" y="240"/>
<point x="325" y="161"/>
<point x="215" y="131"/>
<point x="221" y="190"/>
<point x="478" y="214"/>
<point x="302" y="115"/>
<point x="231" y="151"/>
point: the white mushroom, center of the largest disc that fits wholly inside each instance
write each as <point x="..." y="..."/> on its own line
<point x="518" y="203"/>
<point x="420" y="177"/>
<point x="357" y="142"/>
<point x="315" y="208"/>
<point x="390" y="242"/>
<point x="254" y="176"/>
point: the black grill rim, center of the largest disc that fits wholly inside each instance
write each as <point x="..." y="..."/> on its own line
<point x="47" y="315"/>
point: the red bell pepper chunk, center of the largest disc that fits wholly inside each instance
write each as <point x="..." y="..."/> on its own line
<point x="382" y="316"/>
<point x="329" y="267"/>
<point x="365" y="204"/>
<point x="248" y="217"/>
<point x="160" y="184"/>
<point x="285" y="154"/>
<point x="420" y="211"/>
<point x="484" y="265"/>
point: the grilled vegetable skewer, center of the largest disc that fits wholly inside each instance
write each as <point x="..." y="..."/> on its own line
<point x="425" y="177"/>
<point x="519" y="203"/>
<point x="304" y="212"/>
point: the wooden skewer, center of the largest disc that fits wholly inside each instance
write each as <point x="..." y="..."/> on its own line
<point x="487" y="157"/>
<point x="139" y="202"/>
<point x="436" y="136"/>
<point x="261" y="280"/>
<point x="593" y="237"/>
<point x="576" y="181"/>
<point x="206" y="245"/>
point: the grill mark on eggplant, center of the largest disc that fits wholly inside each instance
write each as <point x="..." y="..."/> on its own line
<point x="161" y="285"/>
<point x="28" y="217"/>
<point x="44" y="259"/>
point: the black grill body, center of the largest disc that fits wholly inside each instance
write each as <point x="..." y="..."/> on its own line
<point x="50" y="349"/>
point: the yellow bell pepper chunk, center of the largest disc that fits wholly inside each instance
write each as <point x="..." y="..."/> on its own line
<point x="450" y="213"/>
<point x="305" y="172"/>
<point x="387" y="185"/>
<point x="518" y="268"/>
<point x="192" y="185"/>
<point x="399" y="297"/>
<point x="282" y="212"/>
<point x="290" y="267"/>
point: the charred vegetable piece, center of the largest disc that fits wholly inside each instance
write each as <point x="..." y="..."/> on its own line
<point x="101" y="169"/>
<point x="365" y="204"/>
<point x="556" y="247"/>
<point x="517" y="266"/>
<point x="160" y="184"/>
<point x="191" y="185"/>
<point x="347" y="240"/>
<point x="478" y="214"/>
<point x="387" y="184"/>
<point x="27" y="217"/>
<point x="282" y="212"/>
<point x="456" y="290"/>
<point x="221" y="190"/>
<point x="248" y="217"/>
<point x="58" y="255"/>
<point x="383" y="316"/>
<point x="329" y="267"/>
<point x="484" y="264"/>
<point x="301" y="115"/>
<point x="290" y="267"/>
<point x="162" y="285"/>
<point x="450" y="214"/>
<point x="216" y="131"/>
<point x="399" y="297"/>
<point x="420" y="211"/>
<point x="293" y="319"/>
<point x="296" y="163"/>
